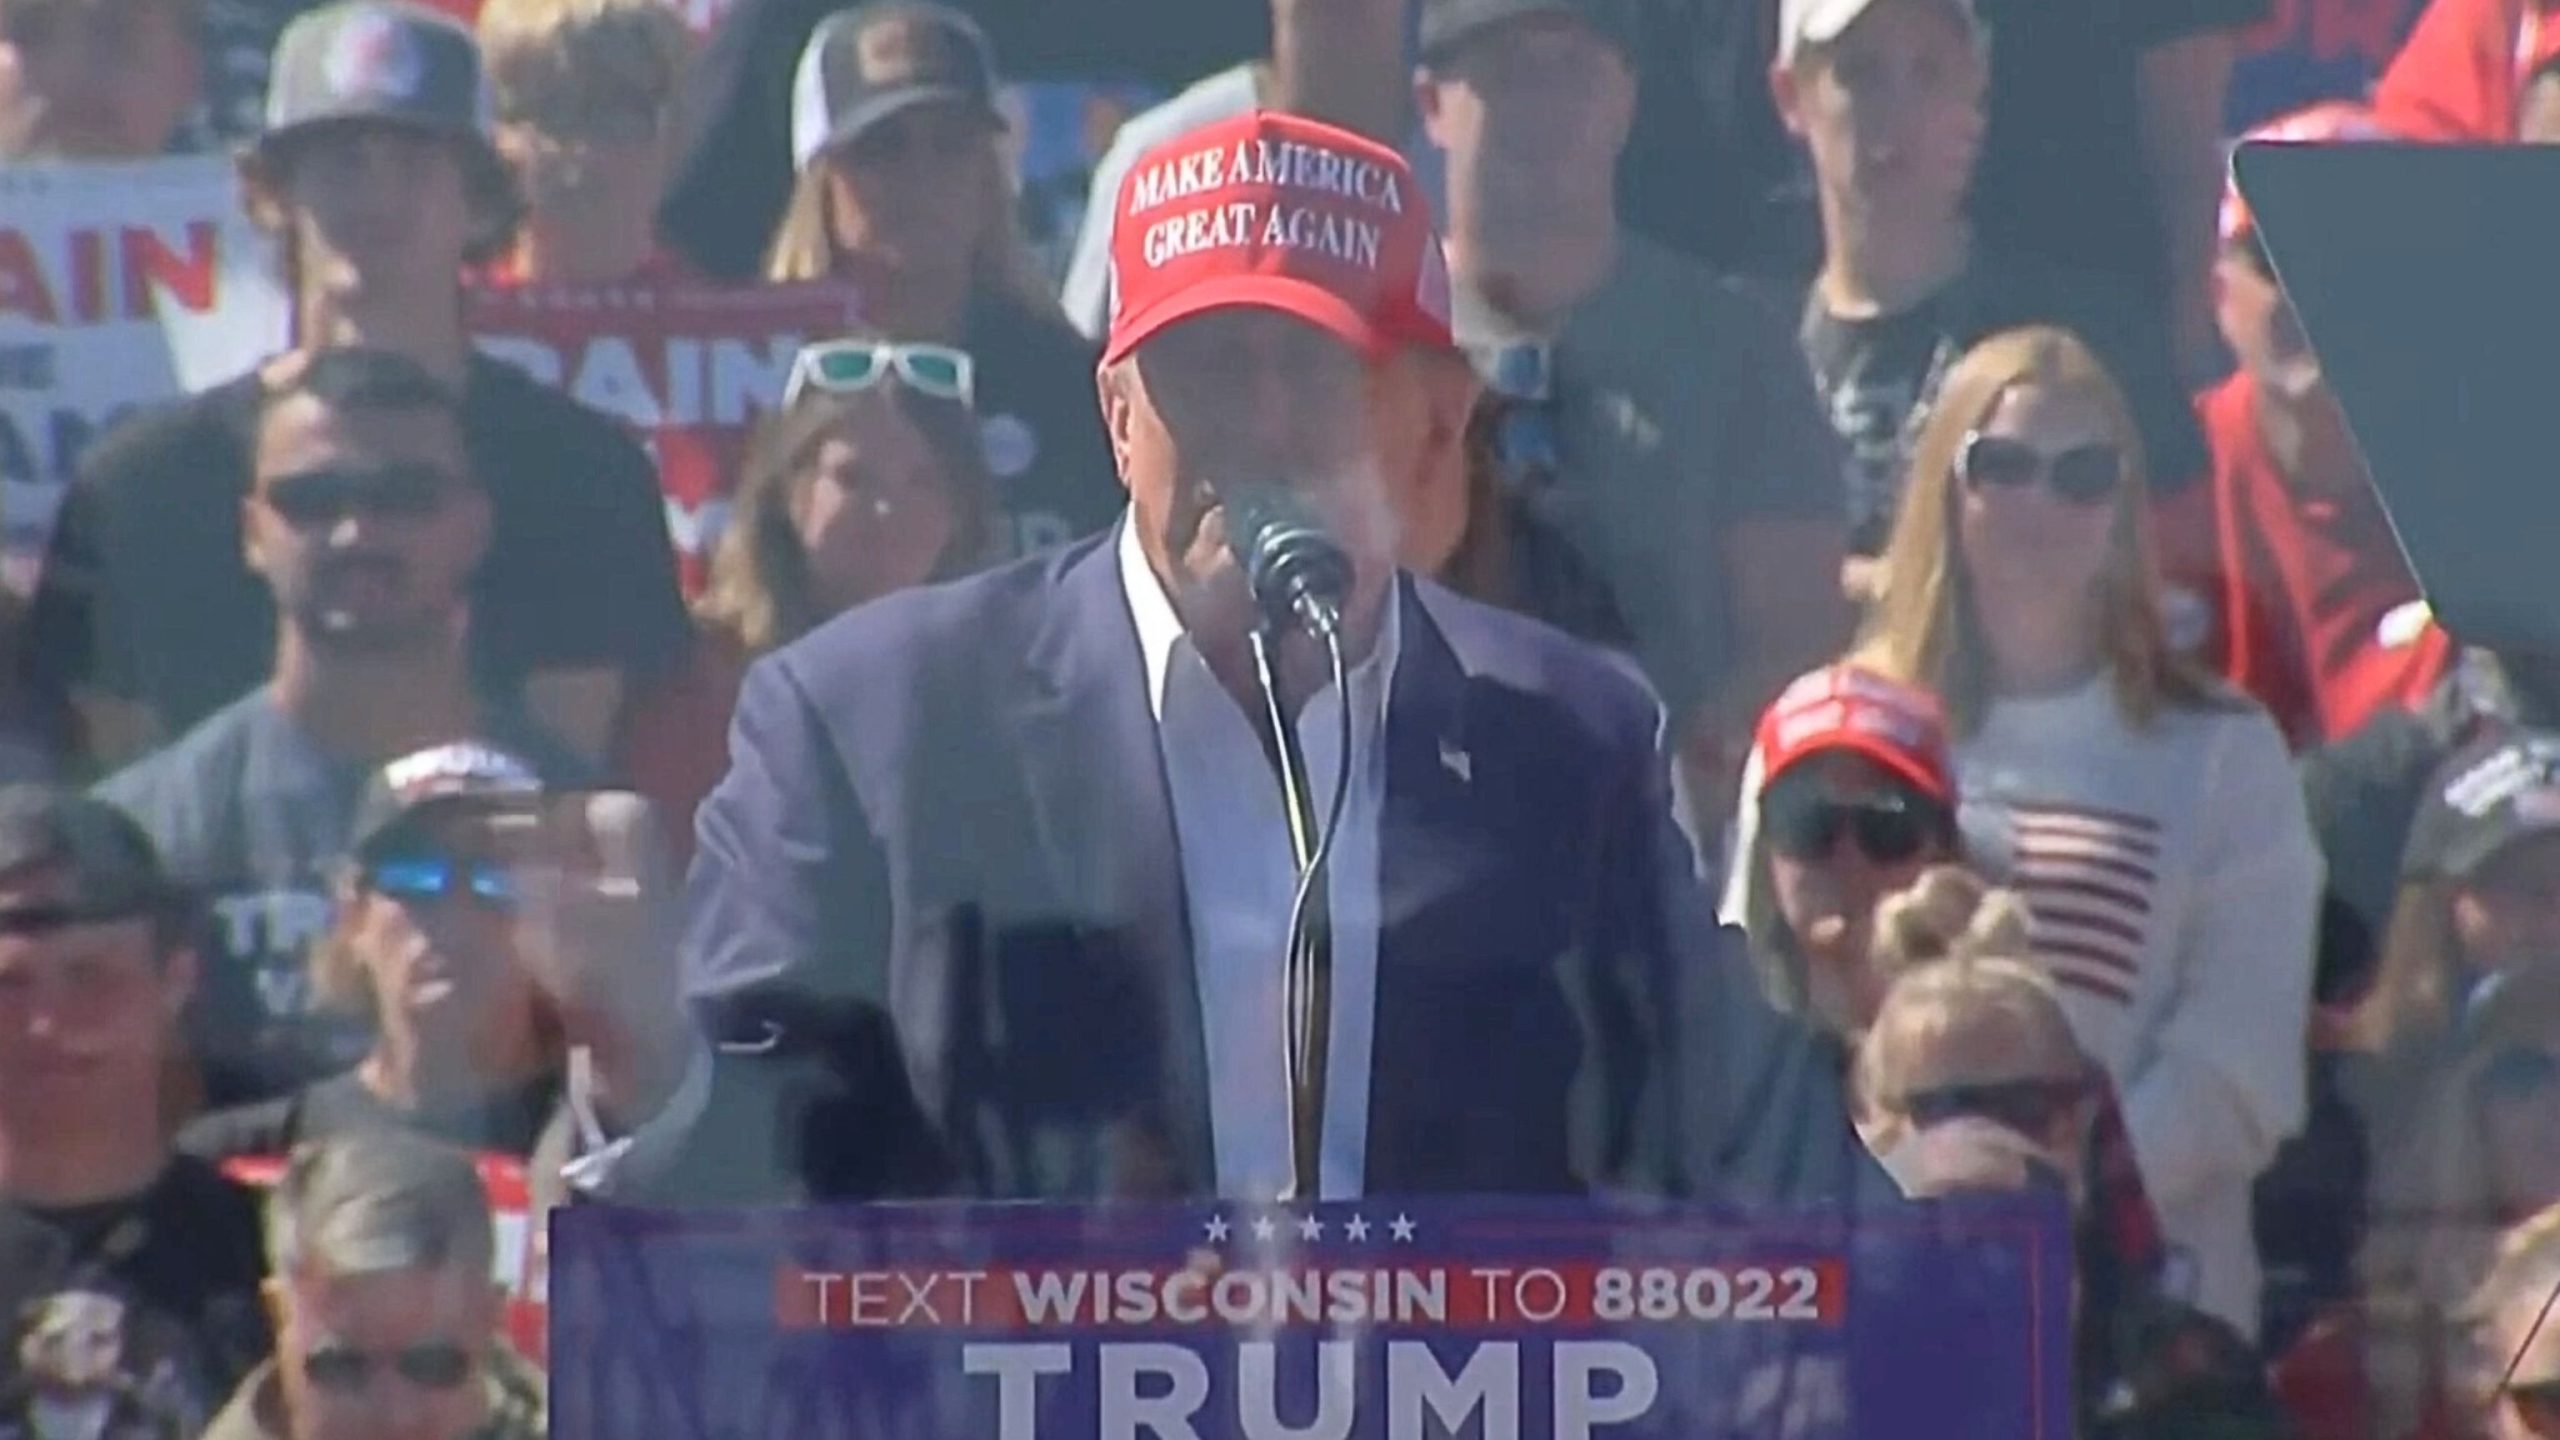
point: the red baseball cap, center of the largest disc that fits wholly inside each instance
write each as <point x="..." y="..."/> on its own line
<point x="1283" y="212"/>
<point x="2330" y="122"/>
<point x="1842" y="707"/>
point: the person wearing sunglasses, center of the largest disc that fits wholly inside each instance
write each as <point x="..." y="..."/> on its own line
<point x="387" y="1323"/>
<point x="904" y="191"/>
<point x="867" y="481"/>
<point x="377" y="181"/>
<point x="585" y="96"/>
<point x="425" y="953"/>
<point x="2325" y="624"/>
<point x="367" y="522"/>
<point x="2149" y="814"/>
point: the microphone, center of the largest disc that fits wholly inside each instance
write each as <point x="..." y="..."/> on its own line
<point x="1295" y="571"/>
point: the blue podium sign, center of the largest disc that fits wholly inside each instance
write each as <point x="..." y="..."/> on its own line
<point x="1378" y="1320"/>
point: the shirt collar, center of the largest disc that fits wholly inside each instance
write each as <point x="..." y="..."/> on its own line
<point x="1160" y="633"/>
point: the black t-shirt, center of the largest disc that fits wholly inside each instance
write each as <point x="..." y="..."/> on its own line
<point x="253" y="817"/>
<point x="1041" y="424"/>
<point x="130" y="1319"/>
<point x="508" y="1124"/>
<point x="144" y="594"/>
<point x="1875" y="374"/>
<point x="1710" y="170"/>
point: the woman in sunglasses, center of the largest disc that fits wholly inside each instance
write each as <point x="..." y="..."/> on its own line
<point x="905" y="191"/>
<point x="2149" y="816"/>
<point x="2476" y="1157"/>
<point x="866" y="481"/>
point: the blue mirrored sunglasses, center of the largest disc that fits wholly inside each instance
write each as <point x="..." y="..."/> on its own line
<point x="410" y="878"/>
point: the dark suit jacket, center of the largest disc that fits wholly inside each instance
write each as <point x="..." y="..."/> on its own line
<point x="937" y="917"/>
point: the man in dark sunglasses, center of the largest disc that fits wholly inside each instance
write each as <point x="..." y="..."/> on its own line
<point x="387" y="1322"/>
<point x="367" y="524"/>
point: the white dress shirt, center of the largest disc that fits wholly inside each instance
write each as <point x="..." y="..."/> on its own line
<point x="1238" y="878"/>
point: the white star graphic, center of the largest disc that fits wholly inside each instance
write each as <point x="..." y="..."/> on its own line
<point x="1311" y="1228"/>
<point x="1356" y="1228"/>
<point x="1216" y="1229"/>
<point x="1401" y="1228"/>
<point x="1262" y="1228"/>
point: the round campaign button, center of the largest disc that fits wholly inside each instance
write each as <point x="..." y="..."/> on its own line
<point x="1008" y="444"/>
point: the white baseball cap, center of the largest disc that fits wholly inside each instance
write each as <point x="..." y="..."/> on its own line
<point x="1819" y="22"/>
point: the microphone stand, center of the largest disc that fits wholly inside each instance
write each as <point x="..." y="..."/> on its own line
<point x="1308" y="1010"/>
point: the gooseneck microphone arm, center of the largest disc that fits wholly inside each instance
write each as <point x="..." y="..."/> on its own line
<point x="1299" y="579"/>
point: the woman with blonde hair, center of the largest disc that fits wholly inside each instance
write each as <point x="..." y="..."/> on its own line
<point x="2149" y="817"/>
<point x="903" y="189"/>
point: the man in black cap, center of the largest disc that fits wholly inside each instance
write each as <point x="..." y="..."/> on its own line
<point x="366" y="520"/>
<point x="425" y="951"/>
<point x="1653" y="413"/>
<point x="377" y="178"/>
<point x="128" y="1277"/>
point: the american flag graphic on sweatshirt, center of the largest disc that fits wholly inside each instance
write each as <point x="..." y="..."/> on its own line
<point x="2089" y="877"/>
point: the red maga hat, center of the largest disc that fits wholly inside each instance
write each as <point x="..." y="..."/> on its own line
<point x="1282" y="212"/>
<point x="1841" y="707"/>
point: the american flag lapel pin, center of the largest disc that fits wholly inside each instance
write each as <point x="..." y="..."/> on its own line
<point x="1455" y="760"/>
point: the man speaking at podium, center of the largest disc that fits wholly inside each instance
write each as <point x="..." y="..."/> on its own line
<point x="995" y="899"/>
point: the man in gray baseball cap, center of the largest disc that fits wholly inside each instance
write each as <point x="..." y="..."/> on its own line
<point x="386" y="63"/>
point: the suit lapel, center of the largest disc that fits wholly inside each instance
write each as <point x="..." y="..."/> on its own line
<point x="1427" y="829"/>
<point x="1087" y="739"/>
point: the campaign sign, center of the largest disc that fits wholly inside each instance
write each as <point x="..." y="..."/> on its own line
<point x="686" y="365"/>
<point x="121" y="285"/>
<point x="1380" y="1320"/>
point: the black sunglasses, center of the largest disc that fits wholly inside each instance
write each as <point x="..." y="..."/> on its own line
<point x="1805" y="823"/>
<point x="2083" y="475"/>
<point x="2031" y="1107"/>
<point x="436" y="1365"/>
<point x="316" y="498"/>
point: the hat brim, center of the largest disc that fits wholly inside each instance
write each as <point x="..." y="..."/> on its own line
<point x="487" y="179"/>
<point x="862" y="119"/>
<point x="1901" y="766"/>
<point x="1288" y="294"/>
